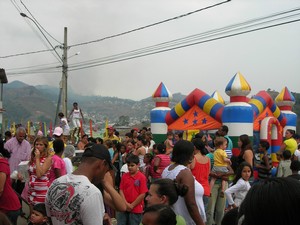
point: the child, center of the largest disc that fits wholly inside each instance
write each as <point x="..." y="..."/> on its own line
<point x="265" y="165"/>
<point x="283" y="169"/>
<point x="58" y="167"/>
<point x="169" y="143"/>
<point x="220" y="162"/>
<point x="133" y="189"/>
<point x="240" y="185"/>
<point x="146" y="170"/>
<point x="295" y="167"/>
<point x="159" y="215"/>
<point x="39" y="215"/>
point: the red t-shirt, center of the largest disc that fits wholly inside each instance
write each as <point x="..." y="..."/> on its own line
<point x="9" y="200"/>
<point x="132" y="187"/>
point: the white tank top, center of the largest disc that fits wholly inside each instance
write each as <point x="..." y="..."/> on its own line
<point x="180" y="206"/>
<point x="76" y="114"/>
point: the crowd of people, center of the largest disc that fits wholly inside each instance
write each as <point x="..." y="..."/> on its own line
<point x="132" y="180"/>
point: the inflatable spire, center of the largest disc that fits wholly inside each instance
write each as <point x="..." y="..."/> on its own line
<point x="238" y="114"/>
<point x="285" y="101"/>
<point x="216" y="95"/>
<point x="162" y="96"/>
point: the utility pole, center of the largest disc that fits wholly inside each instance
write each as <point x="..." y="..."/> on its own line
<point x="65" y="74"/>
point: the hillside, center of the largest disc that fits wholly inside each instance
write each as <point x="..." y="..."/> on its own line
<point x="23" y="102"/>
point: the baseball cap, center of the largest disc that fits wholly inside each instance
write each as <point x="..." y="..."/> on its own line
<point x="58" y="131"/>
<point x="98" y="151"/>
<point x="110" y="128"/>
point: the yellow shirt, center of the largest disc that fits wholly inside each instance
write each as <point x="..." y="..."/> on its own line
<point x="219" y="156"/>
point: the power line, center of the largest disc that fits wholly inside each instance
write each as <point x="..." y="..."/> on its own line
<point x="151" y="25"/>
<point x="39" y="23"/>
<point x="123" y="33"/>
<point x="187" y="45"/>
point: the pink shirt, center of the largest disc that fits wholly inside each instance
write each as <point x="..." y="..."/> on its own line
<point x="164" y="162"/>
<point x="57" y="163"/>
<point x="19" y="152"/>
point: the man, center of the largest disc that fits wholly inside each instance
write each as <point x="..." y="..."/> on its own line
<point x="223" y="132"/>
<point x="77" y="115"/>
<point x="73" y="198"/>
<point x="20" y="150"/>
<point x="111" y="134"/>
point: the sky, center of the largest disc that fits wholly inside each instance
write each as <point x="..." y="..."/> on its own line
<point x="267" y="58"/>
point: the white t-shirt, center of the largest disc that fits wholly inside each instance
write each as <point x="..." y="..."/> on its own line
<point x="73" y="199"/>
<point x="69" y="165"/>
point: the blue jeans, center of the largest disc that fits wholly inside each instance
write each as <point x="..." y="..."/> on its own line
<point x="128" y="218"/>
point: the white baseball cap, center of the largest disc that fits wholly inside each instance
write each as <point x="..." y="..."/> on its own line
<point x="58" y="131"/>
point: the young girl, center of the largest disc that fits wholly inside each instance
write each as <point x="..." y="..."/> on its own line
<point x="169" y="142"/>
<point x="146" y="170"/>
<point x="220" y="162"/>
<point x="39" y="171"/>
<point x="240" y="185"/>
<point x="39" y="215"/>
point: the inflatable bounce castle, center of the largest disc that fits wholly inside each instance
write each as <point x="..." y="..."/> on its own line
<point x="260" y="117"/>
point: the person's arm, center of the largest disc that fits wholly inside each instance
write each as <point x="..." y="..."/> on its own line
<point x="112" y="198"/>
<point x="70" y="114"/>
<point x="156" y="163"/>
<point x="248" y="157"/>
<point x="233" y="190"/>
<point x="282" y="147"/>
<point x="227" y="160"/>
<point x="81" y="114"/>
<point x="186" y="177"/>
<point x="2" y="182"/>
<point x="116" y="156"/>
<point x="42" y="169"/>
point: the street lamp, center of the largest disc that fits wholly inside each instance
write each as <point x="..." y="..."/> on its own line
<point x="3" y="80"/>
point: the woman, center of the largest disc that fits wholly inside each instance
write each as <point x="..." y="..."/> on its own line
<point x="246" y="153"/>
<point x="200" y="168"/>
<point x="159" y="162"/>
<point x="9" y="201"/>
<point x="166" y="192"/>
<point x="289" y="143"/>
<point x="190" y="207"/>
<point x="39" y="171"/>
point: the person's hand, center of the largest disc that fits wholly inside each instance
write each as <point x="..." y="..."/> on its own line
<point x="37" y="153"/>
<point x="129" y="207"/>
<point x="107" y="219"/>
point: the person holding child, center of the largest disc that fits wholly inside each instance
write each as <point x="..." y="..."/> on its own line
<point x="133" y="189"/>
<point x="221" y="162"/>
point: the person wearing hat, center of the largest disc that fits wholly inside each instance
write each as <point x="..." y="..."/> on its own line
<point x="57" y="134"/>
<point x="74" y="198"/>
<point x="111" y="134"/>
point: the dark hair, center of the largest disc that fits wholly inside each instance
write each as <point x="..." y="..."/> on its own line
<point x="199" y="145"/>
<point x="170" y="188"/>
<point x="40" y="207"/>
<point x="58" y="146"/>
<point x="273" y="201"/>
<point x="292" y="132"/>
<point x="133" y="159"/>
<point x="295" y="165"/>
<point x="149" y="156"/>
<point x="84" y="135"/>
<point x="183" y="152"/>
<point x="61" y="114"/>
<point x="7" y="134"/>
<point x="238" y="173"/>
<point x="180" y="134"/>
<point x="99" y="139"/>
<point x="264" y="144"/>
<point x="286" y="154"/>
<point x="166" y="215"/>
<point x="225" y="129"/>
<point x="230" y="217"/>
<point x="129" y="134"/>
<point x="4" y="151"/>
<point x="246" y="143"/>
<point x="161" y="148"/>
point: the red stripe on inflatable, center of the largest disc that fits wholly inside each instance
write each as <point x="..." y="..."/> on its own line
<point x="238" y="99"/>
<point x="162" y="104"/>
